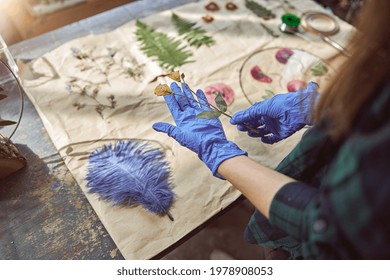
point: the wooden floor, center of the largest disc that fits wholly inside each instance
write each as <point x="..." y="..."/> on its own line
<point x="17" y="23"/>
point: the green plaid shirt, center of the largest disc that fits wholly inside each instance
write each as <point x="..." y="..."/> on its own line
<point x="340" y="206"/>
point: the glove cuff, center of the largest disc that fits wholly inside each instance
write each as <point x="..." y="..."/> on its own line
<point x="218" y="152"/>
<point x="309" y="102"/>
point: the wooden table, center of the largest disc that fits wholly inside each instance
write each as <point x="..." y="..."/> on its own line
<point x="43" y="212"/>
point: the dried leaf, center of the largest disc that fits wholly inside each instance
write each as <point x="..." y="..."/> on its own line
<point x="77" y="53"/>
<point x="175" y="76"/>
<point x="269" y="30"/>
<point x="259" y="10"/>
<point x="319" y="69"/>
<point x="7" y="123"/>
<point x="68" y="150"/>
<point x="69" y="87"/>
<point x="78" y="106"/>
<point x="208" y="115"/>
<point x="83" y="158"/>
<point x="220" y="102"/>
<point x="95" y="92"/>
<point x="80" y="154"/>
<point x="2" y="96"/>
<point x="111" y="52"/>
<point x="162" y="90"/>
<point x="268" y="94"/>
<point x="155" y="78"/>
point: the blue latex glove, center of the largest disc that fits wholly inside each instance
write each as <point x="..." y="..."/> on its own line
<point x="202" y="136"/>
<point x="279" y="117"/>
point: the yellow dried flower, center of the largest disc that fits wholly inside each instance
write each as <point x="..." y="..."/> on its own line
<point x="175" y="76"/>
<point x="162" y="90"/>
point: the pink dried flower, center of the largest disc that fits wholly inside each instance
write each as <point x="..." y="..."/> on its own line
<point x="295" y="85"/>
<point x="258" y="75"/>
<point x="283" y="55"/>
<point x="226" y="92"/>
<point x="212" y="7"/>
<point x="231" y="6"/>
<point x="207" y="18"/>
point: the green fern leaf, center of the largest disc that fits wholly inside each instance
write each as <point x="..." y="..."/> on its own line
<point x="167" y="50"/>
<point x="181" y="24"/>
<point x="195" y="36"/>
<point x="259" y="10"/>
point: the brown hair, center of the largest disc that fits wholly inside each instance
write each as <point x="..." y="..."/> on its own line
<point x="361" y="76"/>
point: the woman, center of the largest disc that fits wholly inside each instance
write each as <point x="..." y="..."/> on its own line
<point x="330" y="197"/>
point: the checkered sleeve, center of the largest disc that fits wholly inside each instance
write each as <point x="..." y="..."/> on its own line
<point x="288" y="207"/>
<point x="299" y="164"/>
<point x="347" y="217"/>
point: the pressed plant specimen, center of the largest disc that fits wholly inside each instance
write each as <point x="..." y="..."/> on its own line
<point x="110" y="63"/>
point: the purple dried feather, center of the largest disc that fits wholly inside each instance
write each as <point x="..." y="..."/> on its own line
<point x="131" y="172"/>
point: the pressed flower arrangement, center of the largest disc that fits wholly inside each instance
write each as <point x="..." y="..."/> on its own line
<point x="216" y="111"/>
<point x="212" y="111"/>
<point x="274" y="70"/>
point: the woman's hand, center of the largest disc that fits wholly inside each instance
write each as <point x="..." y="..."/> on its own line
<point x="278" y="117"/>
<point x="205" y="137"/>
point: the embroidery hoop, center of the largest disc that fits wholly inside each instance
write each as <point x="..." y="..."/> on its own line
<point x="19" y="90"/>
<point x="281" y="74"/>
<point x="308" y="23"/>
<point x="11" y="160"/>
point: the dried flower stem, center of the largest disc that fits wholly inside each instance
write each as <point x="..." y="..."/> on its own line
<point x="211" y="105"/>
<point x="217" y="110"/>
<point x="214" y="107"/>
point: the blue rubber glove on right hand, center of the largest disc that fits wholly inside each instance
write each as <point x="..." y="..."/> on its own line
<point x="279" y="117"/>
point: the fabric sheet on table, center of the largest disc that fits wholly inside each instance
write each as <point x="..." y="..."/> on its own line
<point x="96" y="90"/>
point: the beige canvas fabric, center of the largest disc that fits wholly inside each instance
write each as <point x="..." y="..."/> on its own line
<point x="77" y="126"/>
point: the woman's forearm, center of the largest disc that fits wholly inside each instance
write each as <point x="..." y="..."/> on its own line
<point x="257" y="183"/>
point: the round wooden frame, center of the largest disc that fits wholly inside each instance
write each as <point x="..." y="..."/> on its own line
<point x="309" y="16"/>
